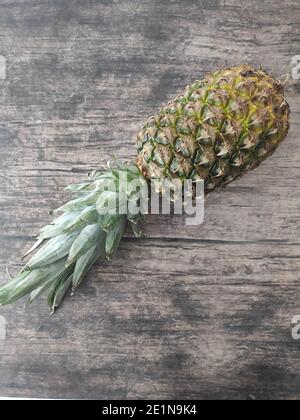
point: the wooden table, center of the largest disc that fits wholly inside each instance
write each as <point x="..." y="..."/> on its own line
<point x="187" y="312"/>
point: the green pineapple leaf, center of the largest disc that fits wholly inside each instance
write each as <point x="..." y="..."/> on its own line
<point x="28" y="281"/>
<point x="114" y="236"/>
<point x="55" y="249"/>
<point x="89" y="236"/>
<point x="89" y="229"/>
<point x="78" y="203"/>
<point x="59" y="226"/>
<point x="86" y="261"/>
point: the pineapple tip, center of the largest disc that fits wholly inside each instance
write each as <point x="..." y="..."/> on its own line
<point x="52" y="310"/>
<point x="68" y="263"/>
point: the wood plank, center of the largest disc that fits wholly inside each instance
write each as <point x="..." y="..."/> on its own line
<point x="187" y="312"/>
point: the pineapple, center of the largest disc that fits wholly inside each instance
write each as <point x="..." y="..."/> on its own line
<point x="220" y="128"/>
<point x="216" y="131"/>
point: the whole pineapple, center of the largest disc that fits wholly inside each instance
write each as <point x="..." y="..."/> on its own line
<point x="220" y="128"/>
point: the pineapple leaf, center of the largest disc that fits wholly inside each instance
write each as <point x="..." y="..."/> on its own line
<point x="114" y="236"/>
<point x="74" y="188"/>
<point x="39" y="291"/>
<point x="125" y="167"/>
<point x="6" y="290"/>
<point x="61" y="292"/>
<point x="108" y="221"/>
<point x="28" y="281"/>
<point x="59" y="289"/>
<point x="86" y="261"/>
<point x="33" y="248"/>
<point x="78" y="203"/>
<point x="136" y="230"/>
<point x="87" y="216"/>
<point x="59" y="226"/>
<point x="89" y="236"/>
<point x="54" y="250"/>
<point x="107" y="202"/>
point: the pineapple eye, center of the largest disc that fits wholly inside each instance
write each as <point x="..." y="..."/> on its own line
<point x="181" y="148"/>
<point x="176" y="167"/>
<point x="284" y="107"/>
<point x="248" y="73"/>
<point x="278" y="87"/>
<point x="161" y="139"/>
<point x="157" y="158"/>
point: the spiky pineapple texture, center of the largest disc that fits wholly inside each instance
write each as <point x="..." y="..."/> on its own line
<point x="217" y="130"/>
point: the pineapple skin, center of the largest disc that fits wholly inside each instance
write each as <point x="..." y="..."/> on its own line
<point x="217" y="130"/>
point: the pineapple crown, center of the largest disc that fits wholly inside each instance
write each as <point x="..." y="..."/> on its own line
<point x="88" y="229"/>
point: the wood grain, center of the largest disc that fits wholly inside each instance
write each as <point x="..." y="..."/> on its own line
<point x="188" y="312"/>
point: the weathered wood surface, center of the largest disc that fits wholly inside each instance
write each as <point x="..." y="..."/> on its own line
<point x="188" y="312"/>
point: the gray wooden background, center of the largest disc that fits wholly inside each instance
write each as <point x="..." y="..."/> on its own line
<point x="188" y="312"/>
